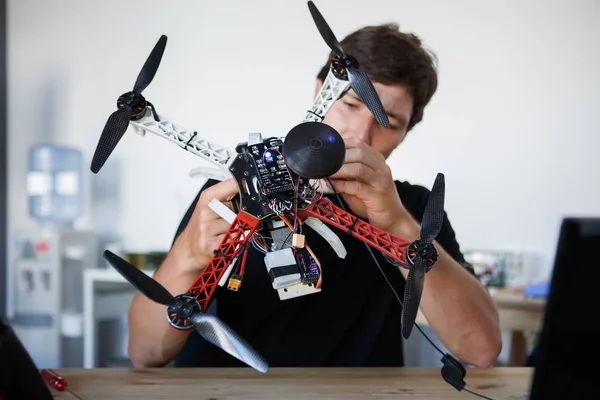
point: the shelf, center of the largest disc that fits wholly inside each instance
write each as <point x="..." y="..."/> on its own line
<point x="106" y="294"/>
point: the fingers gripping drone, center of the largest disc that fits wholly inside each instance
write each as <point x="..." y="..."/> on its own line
<point x="278" y="182"/>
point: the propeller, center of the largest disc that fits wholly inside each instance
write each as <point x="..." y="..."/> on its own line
<point x="422" y="254"/>
<point x="346" y="66"/>
<point x="184" y="313"/>
<point x="130" y="105"/>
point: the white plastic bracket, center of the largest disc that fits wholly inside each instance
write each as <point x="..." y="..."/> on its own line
<point x="327" y="234"/>
<point x="254" y="138"/>
<point x="210" y="173"/>
<point x="225" y="276"/>
<point x="222" y="210"/>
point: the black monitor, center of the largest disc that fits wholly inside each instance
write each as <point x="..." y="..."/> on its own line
<point x="20" y="379"/>
<point x="568" y="350"/>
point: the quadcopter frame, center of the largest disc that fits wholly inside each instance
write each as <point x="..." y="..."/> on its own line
<point x="276" y="179"/>
<point x="253" y="213"/>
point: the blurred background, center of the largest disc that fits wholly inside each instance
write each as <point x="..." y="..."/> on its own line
<point x="513" y="126"/>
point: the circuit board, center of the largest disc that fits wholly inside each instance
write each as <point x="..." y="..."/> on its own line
<point x="267" y="185"/>
<point x="309" y="270"/>
<point x="273" y="173"/>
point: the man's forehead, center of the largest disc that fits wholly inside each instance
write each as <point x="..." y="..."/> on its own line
<point x="396" y="100"/>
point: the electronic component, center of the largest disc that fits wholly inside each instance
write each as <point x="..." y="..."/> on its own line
<point x="309" y="270"/>
<point x="298" y="240"/>
<point x="266" y="184"/>
<point x="273" y="172"/>
<point x="234" y="282"/>
<point x="281" y="238"/>
<point x="282" y="268"/>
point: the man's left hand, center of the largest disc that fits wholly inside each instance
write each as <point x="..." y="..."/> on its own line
<point x="365" y="181"/>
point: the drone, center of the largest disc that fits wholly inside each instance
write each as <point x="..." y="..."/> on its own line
<point x="279" y="190"/>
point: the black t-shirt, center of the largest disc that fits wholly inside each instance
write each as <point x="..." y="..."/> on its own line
<point x="353" y="321"/>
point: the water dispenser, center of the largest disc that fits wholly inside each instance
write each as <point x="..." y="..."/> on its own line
<point x="46" y="280"/>
<point x="55" y="183"/>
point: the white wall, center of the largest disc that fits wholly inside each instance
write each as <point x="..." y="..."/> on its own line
<point x="514" y="125"/>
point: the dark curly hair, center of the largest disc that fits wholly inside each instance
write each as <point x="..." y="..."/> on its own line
<point x="389" y="56"/>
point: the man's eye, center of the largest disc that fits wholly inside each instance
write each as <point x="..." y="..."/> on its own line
<point x="350" y="105"/>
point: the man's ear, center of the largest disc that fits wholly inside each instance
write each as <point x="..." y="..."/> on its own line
<point x="318" y="87"/>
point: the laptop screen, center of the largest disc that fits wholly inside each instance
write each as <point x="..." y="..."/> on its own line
<point x="19" y="377"/>
<point x="568" y="350"/>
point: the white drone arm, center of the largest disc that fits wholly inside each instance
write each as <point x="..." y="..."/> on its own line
<point x="330" y="92"/>
<point x="221" y="174"/>
<point x="186" y="139"/>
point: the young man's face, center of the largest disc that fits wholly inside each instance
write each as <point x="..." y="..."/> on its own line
<point x="351" y="117"/>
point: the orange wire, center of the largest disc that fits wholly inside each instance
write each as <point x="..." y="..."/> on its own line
<point x="284" y="219"/>
<point x="319" y="281"/>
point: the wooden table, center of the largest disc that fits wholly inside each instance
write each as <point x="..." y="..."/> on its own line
<point x="519" y="316"/>
<point x="290" y="383"/>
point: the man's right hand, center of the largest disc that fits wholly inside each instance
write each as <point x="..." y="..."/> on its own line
<point x="152" y="341"/>
<point x="206" y="229"/>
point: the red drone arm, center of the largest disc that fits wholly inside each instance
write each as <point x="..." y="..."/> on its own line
<point x="239" y="233"/>
<point x="392" y="246"/>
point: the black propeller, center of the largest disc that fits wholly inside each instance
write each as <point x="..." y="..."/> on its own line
<point x="184" y="313"/>
<point x="129" y="105"/>
<point x="422" y="254"/>
<point x="347" y="67"/>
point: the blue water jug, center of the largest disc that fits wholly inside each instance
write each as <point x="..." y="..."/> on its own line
<point x="55" y="183"/>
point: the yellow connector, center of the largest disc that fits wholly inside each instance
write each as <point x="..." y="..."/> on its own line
<point x="298" y="240"/>
<point x="234" y="283"/>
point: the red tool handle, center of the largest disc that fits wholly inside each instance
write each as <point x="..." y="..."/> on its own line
<point x="53" y="379"/>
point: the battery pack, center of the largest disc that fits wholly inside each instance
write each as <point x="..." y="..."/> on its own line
<point x="282" y="267"/>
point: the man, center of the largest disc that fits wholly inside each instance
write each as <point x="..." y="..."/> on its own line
<point x="355" y="319"/>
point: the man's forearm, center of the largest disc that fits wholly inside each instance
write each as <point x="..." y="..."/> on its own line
<point x="152" y="341"/>
<point x="457" y="306"/>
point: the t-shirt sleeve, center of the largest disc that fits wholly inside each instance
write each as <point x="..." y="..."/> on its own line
<point x="447" y="239"/>
<point x="414" y="198"/>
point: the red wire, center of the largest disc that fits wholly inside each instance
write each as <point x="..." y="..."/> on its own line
<point x="243" y="265"/>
